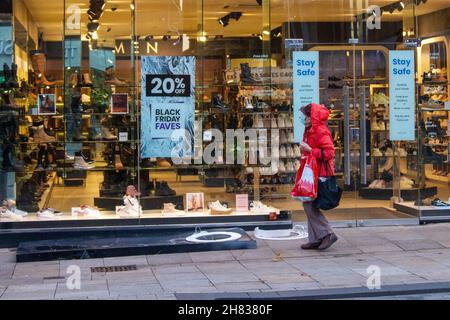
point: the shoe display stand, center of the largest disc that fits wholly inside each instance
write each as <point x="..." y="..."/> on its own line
<point x="152" y="202"/>
<point x="388" y="193"/>
<point x="425" y="213"/>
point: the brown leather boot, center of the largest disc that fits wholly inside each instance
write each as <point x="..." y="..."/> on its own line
<point x="310" y="245"/>
<point x="328" y="241"/>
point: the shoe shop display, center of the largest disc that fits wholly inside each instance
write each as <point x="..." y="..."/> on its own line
<point x="86" y="211"/>
<point x="80" y="163"/>
<point x="8" y="211"/>
<point x="38" y="62"/>
<point x="131" y="207"/>
<point x="95" y="123"/>
<point x="439" y="203"/>
<point x="380" y="99"/>
<point x="163" y="163"/>
<point x="111" y="79"/>
<point x="163" y="189"/>
<point x="218" y="103"/>
<point x="170" y="209"/>
<point x="258" y="207"/>
<point x="107" y="135"/>
<point x="47" y="214"/>
<point x="217" y="208"/>
<point x="40" y="136"/>
<point x="11" y="206"/>
<point x="283" y="153"/>
<point x="246" y="77"/>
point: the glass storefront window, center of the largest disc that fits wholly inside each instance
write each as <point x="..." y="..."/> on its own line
<point x="159" y="110"/>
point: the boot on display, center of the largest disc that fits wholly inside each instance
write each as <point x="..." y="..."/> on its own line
<point x="40" y="136"/>
<point x="163" y="189"/>
<point x="111" y="79"/>
<point x="38" y="62"/>
<point x="246" y="75"/>
<point x="218" y="103"/>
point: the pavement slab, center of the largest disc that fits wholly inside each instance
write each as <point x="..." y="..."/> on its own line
<point x="406" y="255"/>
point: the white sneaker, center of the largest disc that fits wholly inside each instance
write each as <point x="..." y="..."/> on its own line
<point x="297" y="151"/>
<point x="88" y="212"/>
<point x="81" y="164"/>
<point x="259" y="207"/>
<point x="290" y="166"/>
<point x="289" y="152"/>
<point x="7" y="214"/>
<point x="280" y="121"/>
<point x="248" y="104"/>
<point x="283" y="137"/>
<point x="288" y="122"/>
<point x="273" y="123"/>
<point x="46" y="214"/>
<point x="170" y="210"/>
<point x="282" y="167"/>
<point x="218" y="208"/>
<point x="291" y="137"/>
<point x="283" y="152"/>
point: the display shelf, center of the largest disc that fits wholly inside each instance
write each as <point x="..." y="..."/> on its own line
<point x="388" y="193"/>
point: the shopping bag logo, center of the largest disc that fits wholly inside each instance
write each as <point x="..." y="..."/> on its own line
<point x="307" y="179"/>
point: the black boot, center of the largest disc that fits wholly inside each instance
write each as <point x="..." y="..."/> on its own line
<point x="6" y="75"/>
<point x="246" y="75"/>
<point x="12" y="80"/>
<point x="218" y="103"/>
<point x="163" y="189"/>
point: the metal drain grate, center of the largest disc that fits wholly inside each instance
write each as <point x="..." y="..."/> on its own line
<point x="114" y="268"/>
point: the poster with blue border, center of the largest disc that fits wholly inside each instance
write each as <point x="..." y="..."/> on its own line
<point x="402" y="95"/>
<point x="167" y="106"/>
<point x="306" y="86"/>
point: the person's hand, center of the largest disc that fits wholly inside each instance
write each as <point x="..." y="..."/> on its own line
<point x="304" y="147"/>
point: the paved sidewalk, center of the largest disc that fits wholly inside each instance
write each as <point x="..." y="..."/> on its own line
<point x="405" y="255"/>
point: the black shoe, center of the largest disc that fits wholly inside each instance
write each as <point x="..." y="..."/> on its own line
<point x="310" y="245"/>
<point x="334" y="78"/>
<point x="163" y="189"/>
<point x="328" y="241"/>
<point x="246" y="75"/>
<point x="334" y="86"/>
<point x="218" y="103"/>
<point x="147" y="163"/>
<point x="233" y="122"/>
<point x="439" y="203"/>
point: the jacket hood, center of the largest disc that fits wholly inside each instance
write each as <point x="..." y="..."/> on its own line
<point x="319" y="115"/>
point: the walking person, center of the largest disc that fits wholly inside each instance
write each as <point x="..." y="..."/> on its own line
<point x="317" y="141"/>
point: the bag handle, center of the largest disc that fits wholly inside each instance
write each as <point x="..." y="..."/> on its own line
<point x="322" y="160"/>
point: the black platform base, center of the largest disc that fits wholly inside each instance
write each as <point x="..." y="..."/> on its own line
<point x="387" y="194"/>
<point x="147" y="203"/>
<point x="96" y="247"/>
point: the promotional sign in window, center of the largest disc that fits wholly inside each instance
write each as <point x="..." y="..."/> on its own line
<point x="401" y="95"/>
<point x="306" y="87"/>
<point x="168" y="103"/>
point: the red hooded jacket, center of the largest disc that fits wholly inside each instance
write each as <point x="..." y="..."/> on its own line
<point x="318" y="137"/>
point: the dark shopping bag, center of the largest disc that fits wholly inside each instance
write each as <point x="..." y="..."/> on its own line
<point x="329" y="193"/>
